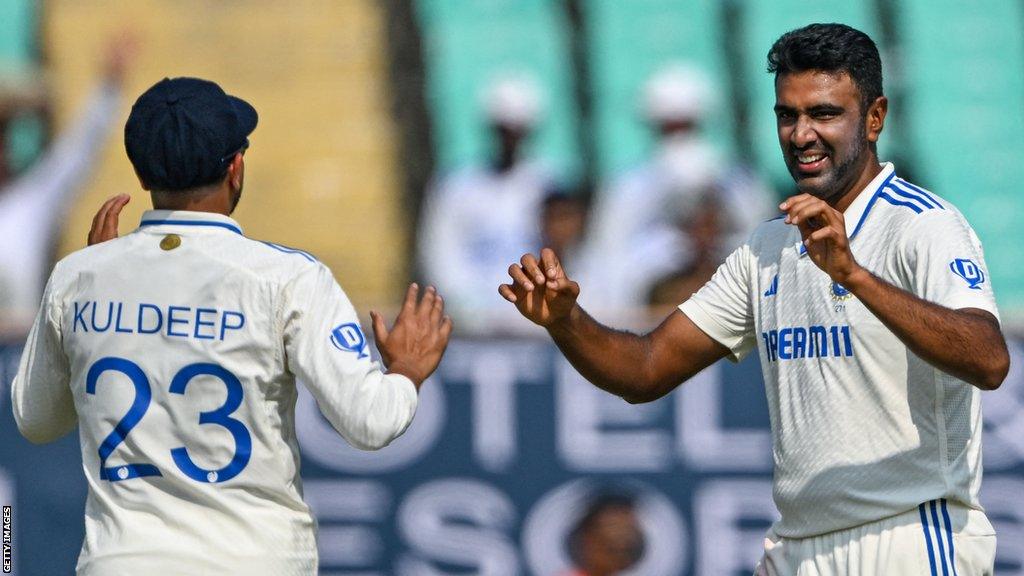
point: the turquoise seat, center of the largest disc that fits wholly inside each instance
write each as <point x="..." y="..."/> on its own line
<point x="467" y="44"/>
<point x="627" y="43"/>
<point x="18" y="31"/>
<point x="965" y="109"/>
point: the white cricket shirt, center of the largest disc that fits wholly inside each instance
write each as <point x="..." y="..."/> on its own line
<point x="862" y="428"/>
<point x="176" y="349"/>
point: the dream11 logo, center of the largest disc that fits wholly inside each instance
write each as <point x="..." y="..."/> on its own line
<point x="969" y="271"/>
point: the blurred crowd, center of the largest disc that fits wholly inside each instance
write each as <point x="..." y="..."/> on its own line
<point x="35" y="197"/>
<point x="643" y="240"/>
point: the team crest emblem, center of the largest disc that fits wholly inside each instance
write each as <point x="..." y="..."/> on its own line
<point x="839" y="293"/>
<point x="349" y="338"/>
<point x="969" y="271"/>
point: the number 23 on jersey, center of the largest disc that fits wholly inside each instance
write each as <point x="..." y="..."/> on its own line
<point x="143" y="395"/>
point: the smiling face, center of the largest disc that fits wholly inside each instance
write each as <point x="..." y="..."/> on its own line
<point x="827" y="140"/>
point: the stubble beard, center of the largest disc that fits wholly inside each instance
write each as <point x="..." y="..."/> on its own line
<point x="839" y="178"/>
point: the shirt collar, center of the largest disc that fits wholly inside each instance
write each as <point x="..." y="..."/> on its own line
<point x="178" y="218"/>
<point x="857" y="212"/>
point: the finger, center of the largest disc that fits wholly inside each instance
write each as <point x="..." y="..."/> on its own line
<point x="437" y="311"/>
<point x="827" y="233"/>
<point x="446" y="328"/>
<point x="796" y="205"/>
<point x="98" y="217"/>
<point x="532" y="268"/>
<point x="808" y="210"/>
<point x="506" y="292"/>
<point x="380" y="329"/>
<point x="427" y="302"/>
<point x="409" y="305"/>
<point x="95" y="234"/>
<point x="519" y="277"/>
<point x="562" y="286"/>
<point x="112" y="217"/>
<point x="789" y="201"/>
<point x="552" y="267"/>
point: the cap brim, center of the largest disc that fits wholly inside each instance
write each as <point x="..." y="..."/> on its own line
<point x="247" y="116"/>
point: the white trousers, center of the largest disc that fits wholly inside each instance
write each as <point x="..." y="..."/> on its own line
<point x="938" y="538"/>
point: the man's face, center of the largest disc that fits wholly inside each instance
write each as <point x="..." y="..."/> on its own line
<point x="822" y="131"/>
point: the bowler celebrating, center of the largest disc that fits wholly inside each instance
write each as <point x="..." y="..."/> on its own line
<point x="176" y="350"/>
<point x="869" y="305"/>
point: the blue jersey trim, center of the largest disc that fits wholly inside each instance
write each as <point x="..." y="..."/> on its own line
<point x="895" y="188"/>
<point x="896" y="202"/>
<point x="871" y="203"/>
<point x="921" y="191"/>
<point x="231" y="227"/>
<point x="288" y="250"/>
<point x="928" y="539"/>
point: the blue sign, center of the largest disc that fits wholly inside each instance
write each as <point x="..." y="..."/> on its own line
<point x="508" y="447"/>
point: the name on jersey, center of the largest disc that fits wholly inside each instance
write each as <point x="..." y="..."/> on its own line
<point x="807" y="342"/>
<point x="179" y="321"/>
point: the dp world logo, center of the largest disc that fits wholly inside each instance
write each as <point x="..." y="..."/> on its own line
<point x="969" y="271"/>
<point x="349" y="338"/>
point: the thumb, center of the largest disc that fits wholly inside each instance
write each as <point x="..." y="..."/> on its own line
<point x="561" y="287"/>
<point x="380" y="330"/>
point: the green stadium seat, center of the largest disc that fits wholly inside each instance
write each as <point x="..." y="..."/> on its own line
<point x="965" y="109"/>
<point x="18" y="28"/>
<point x="628" y="42"/>
<point x="468" y="43"/>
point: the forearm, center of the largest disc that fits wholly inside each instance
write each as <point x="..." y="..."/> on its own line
<point x="965" y="343"/>
<point x="613" y="360"/>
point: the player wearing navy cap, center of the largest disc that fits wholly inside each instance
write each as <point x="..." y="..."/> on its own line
<point x="869" y="305"/>
<point x="176" y="350"/>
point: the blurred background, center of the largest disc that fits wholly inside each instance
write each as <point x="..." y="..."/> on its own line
<point x="438" y="140"/>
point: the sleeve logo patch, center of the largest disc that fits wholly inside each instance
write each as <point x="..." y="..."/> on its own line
<point x="349" y="338"/>
<point x="969" y="271"/>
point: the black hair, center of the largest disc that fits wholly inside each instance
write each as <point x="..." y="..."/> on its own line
<point x="830" y="48"/>
<point x="599" y="504"/>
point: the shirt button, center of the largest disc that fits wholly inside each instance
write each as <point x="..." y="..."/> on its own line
<point x="170" y="242"/>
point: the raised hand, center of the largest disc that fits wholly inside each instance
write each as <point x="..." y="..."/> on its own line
<point x="104" y="224"/>
<point x="823" y="230"/>
<point x="541" y="290"/>
<point x="414" y="345"/>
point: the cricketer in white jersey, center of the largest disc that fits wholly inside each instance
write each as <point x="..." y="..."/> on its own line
<point x="869" y="304"/>
<point x="176" y="350"/>
<point x="862" y="428"/>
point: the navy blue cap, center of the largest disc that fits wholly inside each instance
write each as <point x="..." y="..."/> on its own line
<point x="182" y="133"/>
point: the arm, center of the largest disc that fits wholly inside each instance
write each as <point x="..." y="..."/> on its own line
<point x="637" y="368"/>
<point x="44" y="408"/>
<point x="59" y="172"/>
<point x="964" y="342"/>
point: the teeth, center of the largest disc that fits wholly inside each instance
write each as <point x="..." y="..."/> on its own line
<point x="810" y="159"/>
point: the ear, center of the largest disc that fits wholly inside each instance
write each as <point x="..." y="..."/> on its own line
<point x="875" y="118"/>
<point x="235" y="170"/>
